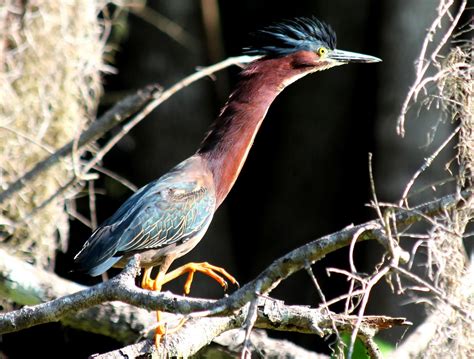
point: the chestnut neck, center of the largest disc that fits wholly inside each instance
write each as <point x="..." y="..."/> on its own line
<point x="226" y="146"/>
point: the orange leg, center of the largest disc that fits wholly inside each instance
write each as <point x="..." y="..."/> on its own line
<point x="147" y="282"/>
<point x="216" y="273"/>
<point x="161" y="327"/>
<point x="155" y="284"/>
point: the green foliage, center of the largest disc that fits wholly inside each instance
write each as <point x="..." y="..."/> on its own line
<point x="359" y="348"/>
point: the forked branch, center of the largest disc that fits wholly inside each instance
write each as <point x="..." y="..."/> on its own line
<point x="122" y="288"/>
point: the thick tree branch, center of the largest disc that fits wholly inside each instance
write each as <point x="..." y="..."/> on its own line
<point x="316" y="250"/>
<point x="127" y="323"/>
<point x="231" y="342"/>
<point x="231" y="312"/>
<point x="186" y="342"/>
<point x="122" y="287"/>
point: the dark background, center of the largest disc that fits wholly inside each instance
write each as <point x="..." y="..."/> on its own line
<point x="307" y="173"/>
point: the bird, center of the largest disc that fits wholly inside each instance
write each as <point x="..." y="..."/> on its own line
<point x="168" y="217"/>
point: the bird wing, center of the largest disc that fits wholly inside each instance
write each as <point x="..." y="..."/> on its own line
<point x="176" y="214"/>
<point x="170" y="210"/>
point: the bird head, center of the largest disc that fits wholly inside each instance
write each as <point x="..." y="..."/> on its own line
<point x="310" y="42"/>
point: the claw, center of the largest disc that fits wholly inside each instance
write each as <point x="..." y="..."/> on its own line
<point x="216" y="273"/>
<point x="161" y="330"/>
<point x="147" y="282"/>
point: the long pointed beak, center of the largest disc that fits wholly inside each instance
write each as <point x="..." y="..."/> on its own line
<point x="347" y="56"/>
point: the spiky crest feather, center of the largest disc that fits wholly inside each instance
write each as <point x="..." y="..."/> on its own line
<point x="291" y="36"/>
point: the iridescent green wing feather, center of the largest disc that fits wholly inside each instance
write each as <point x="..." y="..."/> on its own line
<point x="170" y="210"/>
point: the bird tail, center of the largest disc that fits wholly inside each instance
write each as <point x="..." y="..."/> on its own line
<point x="98" y="254"/>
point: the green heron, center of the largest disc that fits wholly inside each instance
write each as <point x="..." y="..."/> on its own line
<point x="168" y="217"/>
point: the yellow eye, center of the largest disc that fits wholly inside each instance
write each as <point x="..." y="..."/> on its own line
<point x="322" y="51"/>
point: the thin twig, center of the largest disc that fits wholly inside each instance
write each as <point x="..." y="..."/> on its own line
<point x="118" y="113"/>
<point x="372" y="189"/>
<point x="348" y="274"/>
<point x="78" y="216"/>
<point x="165" y="25"/>
<point x="426" y="165"/>
<point x="355" y="293"/>
<point x="325" y="306"/>
<point x="353" y="268"/>
<point x="248" y="325"/>
<point x="349" y="305"/>
<point x="59" y="192"/>
<point x="436" y="291"/>
<point x="365" y="299"/>
<point x="92" y="208"/>
<point x="123" y="181"/>
<point x="372" y="348"/>
<point x="391" y="245"/>
<point x="423" y="63"/>
<point x="428" y="219"/>
<point x="27" y="137"/>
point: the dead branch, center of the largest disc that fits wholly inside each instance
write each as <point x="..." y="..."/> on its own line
<point x="419" y="340"/>
<point x="424" y="62"/>
<point x="27" y="284"/>
<point x="231" y="341"/>
<point x="228" y="343"/>
<point x="118" y="113"/>
<point x="141" y="104"/>
<point x="272" y="314"/>
<point x="122" y="287"/>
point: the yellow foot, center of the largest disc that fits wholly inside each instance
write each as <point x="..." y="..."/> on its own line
<point x="153" y="284"/>
<point x="159" y="332"/>
<point x="216" y="273"/>
<point x="161" y="329"/>
<point x="147" y="282"/>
